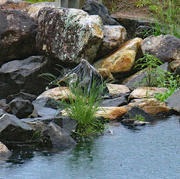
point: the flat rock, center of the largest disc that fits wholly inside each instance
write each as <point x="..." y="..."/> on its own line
<point x="151" y="106"/>
<point x="146" y="92"/>
<point x="116" y="89"/>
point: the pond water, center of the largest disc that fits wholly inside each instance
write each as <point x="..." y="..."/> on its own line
<point x="148" y="152"/>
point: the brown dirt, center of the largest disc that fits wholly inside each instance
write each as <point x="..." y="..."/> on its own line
<point x="127" y="8"/>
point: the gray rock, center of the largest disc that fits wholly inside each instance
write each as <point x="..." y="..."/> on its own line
<point x="21" y="108"/>
<point x="134" y="111"/>
<point x="19" y="75"/>
<point x="59" y="137"/>
<point x="114" y="36"/>
<point x="115" y="102"/>
<point x="17" y="35"/>
<point x="75" y="34"/>
<point x="12" y="129"/>
<point x="132" y="25"/>
<point x="4" y="152"/>
<point x="21" y="95"/>
<point x="173" y="101"/>
<point x="164" y="47"/>
<point x="4" y="106"/>
<point x="93" y="7"/>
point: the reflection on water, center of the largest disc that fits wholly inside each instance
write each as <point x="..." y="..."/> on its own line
<point x="143" y="152"/>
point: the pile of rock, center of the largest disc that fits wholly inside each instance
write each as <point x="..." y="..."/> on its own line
<point x="36" y="37"/>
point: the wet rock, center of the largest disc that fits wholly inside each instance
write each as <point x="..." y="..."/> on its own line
<point x="146" y="92"/>
<point x="136" y="112"/>
<point x="33" y="9"/>
<point x="21" y="108"/>
<point x="59" y="137"/>
<point x="15" y="4"/>
<point x="4" y="152"/>
<point x="17" y="34"/>
<point x="23" y="75"/>
<point x="75" y="34"/>
<point x="114" y="36"/>
<point x="96" y="8"/>
<point x="173" y="101"/>
<point x="164" y="47"/>
<point x="12" y="129"/>
<point x="122" y="60"/>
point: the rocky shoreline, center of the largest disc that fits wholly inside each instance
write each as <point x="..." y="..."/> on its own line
<point x="34" y="38"/>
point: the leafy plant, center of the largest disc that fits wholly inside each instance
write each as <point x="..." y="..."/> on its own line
<point x="151" y="63"/>
<point x="83" y="106"/>
<point x="139" y="117"/>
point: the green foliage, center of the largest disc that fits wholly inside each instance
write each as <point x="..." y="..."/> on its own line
<point x="151" y="63"/>
<point x="166" y="14"/>
<point x="170" y="82"/>
<point x="83" y="106"/>
<point x="139" y="117"/>
<point x="157" y="77"/>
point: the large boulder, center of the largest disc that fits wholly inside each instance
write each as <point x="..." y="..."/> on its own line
<point x="164" y="47"/>
<point x="12" y="129"/>
<point x="15" y="4"/>
<point x="122" y="60"/>
<point x="93" y="7"/>
<point x="17" y="35"/>
<point x="23" y="75"/>
<point x="69" y="34"/>
<point x="4" y="152"/>
<point x="59" y="137"/>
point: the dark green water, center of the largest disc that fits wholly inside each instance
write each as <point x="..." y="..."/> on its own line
<point x="150" y="152"/>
